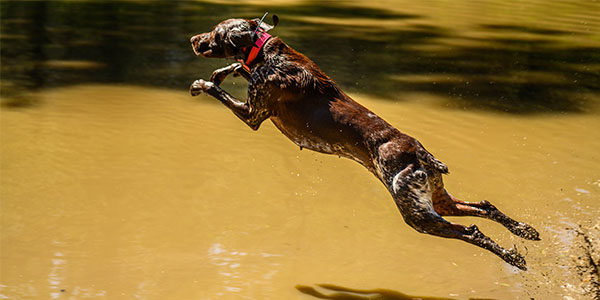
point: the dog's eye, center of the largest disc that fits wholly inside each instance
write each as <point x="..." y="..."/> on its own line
<point x="217" y="39"/>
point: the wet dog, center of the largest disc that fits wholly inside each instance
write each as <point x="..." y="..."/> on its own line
<point x="311" y="110"/>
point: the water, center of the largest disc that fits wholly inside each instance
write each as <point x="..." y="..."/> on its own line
<point x="116" y="184"/>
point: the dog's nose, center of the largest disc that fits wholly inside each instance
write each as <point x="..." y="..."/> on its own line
<point x="194" y="39"/>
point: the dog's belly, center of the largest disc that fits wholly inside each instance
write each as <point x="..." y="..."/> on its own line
<point x="307" y="139"/>
<point x="332" y="126"/>
<point x="324" y="141"/>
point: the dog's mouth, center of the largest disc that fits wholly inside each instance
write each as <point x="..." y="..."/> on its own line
<point x="200" y="45"/>
<point x="206" y="53"/>
<point x="202" y="50"/>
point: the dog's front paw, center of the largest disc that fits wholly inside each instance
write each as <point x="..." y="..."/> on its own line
<point x="200" y="86"/>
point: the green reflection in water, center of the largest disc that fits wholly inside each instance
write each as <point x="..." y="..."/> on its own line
<point x="509" y="68"/>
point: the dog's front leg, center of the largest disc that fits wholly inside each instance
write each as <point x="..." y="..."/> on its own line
<point x="219" y="75"/>
<point x="252" y="116"/>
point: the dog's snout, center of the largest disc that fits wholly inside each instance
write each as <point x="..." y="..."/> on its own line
<point x="200" y="43"/>
<point x="195" y="39"/>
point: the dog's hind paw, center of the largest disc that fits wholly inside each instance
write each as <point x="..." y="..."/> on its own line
<point x="525" y="231"/>
<point x="514" y="258"/>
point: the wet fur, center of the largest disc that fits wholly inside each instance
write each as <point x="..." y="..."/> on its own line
<point x="312" y="111"/>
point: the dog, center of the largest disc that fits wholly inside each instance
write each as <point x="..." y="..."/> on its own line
<point x="311" y="110"/>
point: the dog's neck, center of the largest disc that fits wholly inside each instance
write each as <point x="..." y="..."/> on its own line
<point x="251" y="53"/>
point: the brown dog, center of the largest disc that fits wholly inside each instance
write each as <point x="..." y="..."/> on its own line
<point x="312" y="111"/>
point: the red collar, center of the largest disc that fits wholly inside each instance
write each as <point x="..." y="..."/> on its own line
<point x="255" y="50"/>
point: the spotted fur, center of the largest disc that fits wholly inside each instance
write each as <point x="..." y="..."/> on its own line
<point x="311" y="110"/>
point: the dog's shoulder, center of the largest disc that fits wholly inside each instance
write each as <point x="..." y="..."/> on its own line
<point x="290" y="69"/>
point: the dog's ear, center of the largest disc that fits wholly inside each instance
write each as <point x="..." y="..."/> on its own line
<point x="239" y="38"/>
<point x="266" y="27"/>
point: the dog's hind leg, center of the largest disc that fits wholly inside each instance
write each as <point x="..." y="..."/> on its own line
<point x="412" y="194"/>
<point x="446" y="205"/>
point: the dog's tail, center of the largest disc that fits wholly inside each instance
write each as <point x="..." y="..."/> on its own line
<point x="429" y="160"/>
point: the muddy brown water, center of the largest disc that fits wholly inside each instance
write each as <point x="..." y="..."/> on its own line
<point x="116" y="184"/>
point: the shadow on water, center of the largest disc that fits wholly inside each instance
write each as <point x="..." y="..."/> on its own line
<point x="342" y="293"/>
<point x="58" y="43"/>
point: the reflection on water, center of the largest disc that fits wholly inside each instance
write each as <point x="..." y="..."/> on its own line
<point x="544" y="59"/>
<point x="231" y="268"/>
<point x="116" y="184"/>
<point x="343" y="293"/>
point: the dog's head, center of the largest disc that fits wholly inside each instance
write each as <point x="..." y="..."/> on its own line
<point x="229" y="37"/>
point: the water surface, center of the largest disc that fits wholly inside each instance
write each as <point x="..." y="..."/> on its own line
<point x="116" y="184"/>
